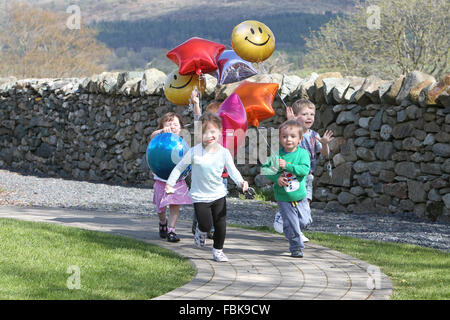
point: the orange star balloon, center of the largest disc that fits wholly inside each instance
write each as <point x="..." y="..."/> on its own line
<point x="257" y="99"/>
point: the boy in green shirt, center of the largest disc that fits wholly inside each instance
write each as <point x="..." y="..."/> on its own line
<point x="288" y="169"/>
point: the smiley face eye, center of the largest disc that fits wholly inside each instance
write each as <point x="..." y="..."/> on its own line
<point x="175" y="76"/>
<point x="260" y="30"/>
<point x="252" y="31"/>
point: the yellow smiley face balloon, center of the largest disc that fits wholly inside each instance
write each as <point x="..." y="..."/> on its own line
<point x="253" y="41"/>
<point x="178" y="88"/>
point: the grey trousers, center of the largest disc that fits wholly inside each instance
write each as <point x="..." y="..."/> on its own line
<point x="296" y="216"/>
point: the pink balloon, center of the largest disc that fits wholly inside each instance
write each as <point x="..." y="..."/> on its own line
<point x="234" y="123"/>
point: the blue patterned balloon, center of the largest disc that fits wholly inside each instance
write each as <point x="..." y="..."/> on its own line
<point x="164" y="152"/>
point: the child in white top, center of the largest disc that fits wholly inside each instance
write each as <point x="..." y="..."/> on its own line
<point x="208" y="192"/>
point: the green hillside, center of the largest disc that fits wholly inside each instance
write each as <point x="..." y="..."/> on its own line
<point x="168" y="32"/>
<point x="113" y="10"/>
<point x="142" y="31"/>
<point x="136" y="43"/>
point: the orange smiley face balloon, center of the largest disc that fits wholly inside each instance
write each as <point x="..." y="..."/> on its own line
<point x="253" y="41"/>
<point x="178" y="88"/>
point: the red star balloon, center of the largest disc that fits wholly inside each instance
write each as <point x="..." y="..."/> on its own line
<point x="257" y="99"/>
<point x="196" y="55"/>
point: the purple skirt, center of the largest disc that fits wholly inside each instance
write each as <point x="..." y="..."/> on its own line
<point x="162" y="199"/>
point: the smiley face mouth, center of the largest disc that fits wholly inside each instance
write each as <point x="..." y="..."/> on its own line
<point x="171" y="86"/>
<point x="258" y="44"/>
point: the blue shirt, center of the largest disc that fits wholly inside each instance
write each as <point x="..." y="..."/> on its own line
<point x="311" y="143"/>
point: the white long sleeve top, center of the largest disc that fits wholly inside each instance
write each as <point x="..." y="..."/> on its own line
<point x="207" y="167"/>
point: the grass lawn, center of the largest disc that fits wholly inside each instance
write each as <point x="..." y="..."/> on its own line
<point x="41" y="261"/>
<point x="417" y="273"/>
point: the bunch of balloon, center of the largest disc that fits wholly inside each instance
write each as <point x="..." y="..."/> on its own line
<point x="254" y="41"/>
<point x="194" y="58"/>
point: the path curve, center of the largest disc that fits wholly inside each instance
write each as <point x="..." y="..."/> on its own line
<point x="260" y="266"/>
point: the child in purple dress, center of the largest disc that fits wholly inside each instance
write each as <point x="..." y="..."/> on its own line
<point x="170" y="123"/>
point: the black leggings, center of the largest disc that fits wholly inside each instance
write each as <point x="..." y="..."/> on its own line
<point x="213" y="213"/>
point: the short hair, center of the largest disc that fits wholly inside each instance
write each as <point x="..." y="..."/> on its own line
<point x="291" y="123"/>
<point x="169" y="117"/>
<point x="213" y="118"/>
<point x="213" y="106"/>
<point x="301" y="104"/>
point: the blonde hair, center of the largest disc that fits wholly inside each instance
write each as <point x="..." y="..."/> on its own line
<point x="301" y="104"/>
<point x="291" y="123"/>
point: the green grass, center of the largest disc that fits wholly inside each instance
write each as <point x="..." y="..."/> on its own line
<point x="35" y="258"/>
<point x="417" y="273"/>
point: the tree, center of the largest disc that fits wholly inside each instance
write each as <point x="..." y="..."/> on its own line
<point x="38" y="44"/>
<point x="385" y="38"/>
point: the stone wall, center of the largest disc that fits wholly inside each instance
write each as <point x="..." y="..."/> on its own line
<point x="391" y="150"/>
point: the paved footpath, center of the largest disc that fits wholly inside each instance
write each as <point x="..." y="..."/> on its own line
<point x="260" y="266"/>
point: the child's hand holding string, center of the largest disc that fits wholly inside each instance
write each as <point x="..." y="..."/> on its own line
<point x="195" y="99"/>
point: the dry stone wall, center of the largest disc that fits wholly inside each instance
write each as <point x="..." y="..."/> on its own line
<point x="391" y="151"/>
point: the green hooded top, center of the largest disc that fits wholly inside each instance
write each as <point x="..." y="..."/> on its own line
<point x="296" y="170"/>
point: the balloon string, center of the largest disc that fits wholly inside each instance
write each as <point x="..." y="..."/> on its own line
<point x="199" y="92"/>
<point x="265" y="71"/>
<point x="191" y="104"/>
<point x="265" y="140"/>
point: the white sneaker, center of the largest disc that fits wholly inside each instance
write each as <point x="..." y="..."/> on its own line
<point x="219" y="256"/>
<point x="278" y="223"/>
<point x="304" y="239"/>
<point x="199" y="238"/>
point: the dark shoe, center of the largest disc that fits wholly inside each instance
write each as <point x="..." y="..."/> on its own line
<point x="172" y="237"/>
<point x="297" y="254"/>
<point x="162" y="230"/>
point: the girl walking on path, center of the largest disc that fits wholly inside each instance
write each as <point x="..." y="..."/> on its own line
<point x="169" y="123"/>
<point x="208" y="159"/>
